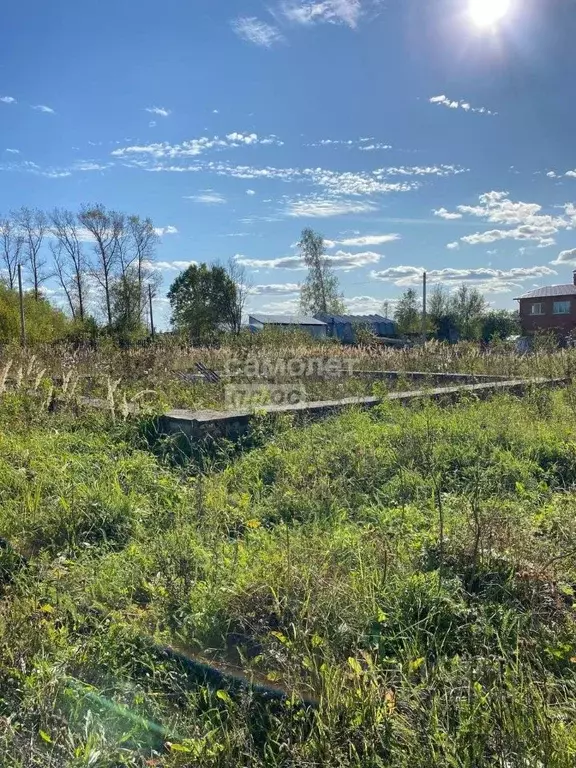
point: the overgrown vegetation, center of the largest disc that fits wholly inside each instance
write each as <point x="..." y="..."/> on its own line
<point x="384" y="589"/>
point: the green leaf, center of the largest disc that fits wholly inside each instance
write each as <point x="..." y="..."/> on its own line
<point x="45" y="737"/>
<point x="225" y="697"/>
<point x="354" y="665"/>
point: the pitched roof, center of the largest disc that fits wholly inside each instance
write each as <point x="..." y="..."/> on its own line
<point x="328" y="318"/>
<point x="568" y="289"/>
<point x="286" y="320"/>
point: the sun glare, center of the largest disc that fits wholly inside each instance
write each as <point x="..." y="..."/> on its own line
<point x="486" y="13"/>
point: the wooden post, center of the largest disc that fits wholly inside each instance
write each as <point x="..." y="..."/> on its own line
<point x="151" y="315"/>
<point x="424" y="313"/>
<point x="22" y="325"/>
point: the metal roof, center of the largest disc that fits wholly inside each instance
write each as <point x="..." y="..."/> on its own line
<point x="328" y="318"/>
<point x="286" y="320"/>
<point x="568" y="289"/>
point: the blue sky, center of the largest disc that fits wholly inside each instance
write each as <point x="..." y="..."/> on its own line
<point x="411" y="133"/>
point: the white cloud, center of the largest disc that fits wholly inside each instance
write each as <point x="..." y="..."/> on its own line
<point x="195" y="147"/>
<point x="169" y="230"/>
<point x="444" y="214"/>
<point x="368" y="305"/>
<point x="420" y="170"/>
<point x="287" y="307"/>
<point x="444" y="101"/>
<point x="565" y="257"/>
<point x="208" y="197"/>
<point x="177" y="265"/>
<point x="13" y="151"/>
<point x="361" y="242"/>
<point x="347" y="261"/>
<point x="275" y="289"/>
<point x="160" y="111"/>
<point x="361" y="144"/>
<point x="8" y="100"/>
<point x="571" y="174"/>
<point x="332" y="11"/>
<point x="406" y="276"/>
<point x="453" y="246"/>
<point x="152" y="124"/>
<point x="525" y="219"/>
<point x="339" y="260"/>
<point x="250" y="192"/>
<point x="44" y="108"/>
<point x="258" y="32"/>
<point x="318" y="207"/>
<point x="89" y="165"/>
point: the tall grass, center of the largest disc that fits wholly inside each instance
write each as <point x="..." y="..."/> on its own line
<point x="384" y="589"/>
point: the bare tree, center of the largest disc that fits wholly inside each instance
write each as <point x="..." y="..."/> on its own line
<point x="33" y="225"/>
<point x="143" y="240"/>
<point x="11" y="244"/>
<point x="237" y="273"/>
<point x="70" y="260"/>
<point x="107" y="229"/>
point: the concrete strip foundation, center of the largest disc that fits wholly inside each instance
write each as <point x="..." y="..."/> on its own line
<point x="196" y="425"/>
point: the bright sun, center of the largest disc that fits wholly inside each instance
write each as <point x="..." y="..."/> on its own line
<point x="486" y="13"/>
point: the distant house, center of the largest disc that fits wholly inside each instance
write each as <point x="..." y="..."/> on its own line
<point x="311" y="325"/>
<point x="552" y="308"/>
<point x="343" y="327"/>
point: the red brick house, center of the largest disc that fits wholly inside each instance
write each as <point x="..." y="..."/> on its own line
<point x="552" y="308"/>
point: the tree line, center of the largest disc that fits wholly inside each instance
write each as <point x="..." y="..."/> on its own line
<point x="461" y="315"/>
<point x="101" y="259"/>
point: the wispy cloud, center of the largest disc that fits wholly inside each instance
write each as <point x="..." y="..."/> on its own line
<point x="366" y="240"/>
<point x="207" y="197"/>
<point x="339" y="260"/>
<point x="363" y="144"/>
<point x="332" y="11"/>
<point x="275" y="289"/>
<point x="368" y="305"/>
<point x="8" y="100"/>
<point x="195" y="147"/>
<point x="12" y="151"/>
<point x="318" y="207"/>
<point x="177" y="265"/>
<point x="250" y="192"/>
<point x="444" y="101"/>
<point x="258" y="32"/>
<point x="408" y="275"/>
<point x="444" y="214"/>
<point x="160" y="111"/>
<point x="44" y="108"/>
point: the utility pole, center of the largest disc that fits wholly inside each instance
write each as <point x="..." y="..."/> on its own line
<point x="151" y="315"/>
<point x="424" y="308"/>
<point x="22" y="326"/>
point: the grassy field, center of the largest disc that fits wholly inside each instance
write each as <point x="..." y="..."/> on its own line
<point x="159" y="375"/>
<point x="384" y="589"/>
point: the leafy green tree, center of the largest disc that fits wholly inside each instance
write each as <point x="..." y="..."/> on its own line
<point x="499" y="324"/>
<point x="469" y="307"/>
<point x="44" y="323"/>
<point x="320" y="292"/>
<point x="202" y="298"/>
<point x="442" y="320"/>
<point x="408" y="312"/>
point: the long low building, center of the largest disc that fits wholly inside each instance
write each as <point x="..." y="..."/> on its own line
<point x="343" y="327"/>
<point x="310" y="325"/>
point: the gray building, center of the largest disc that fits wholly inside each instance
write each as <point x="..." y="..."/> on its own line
<point x="310" y="325"/>
<point x="343" y="327"/>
